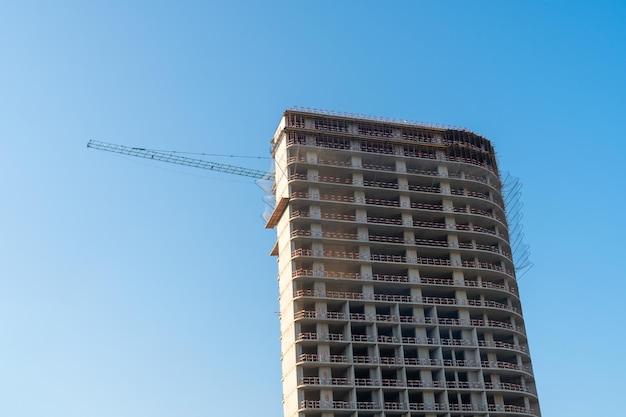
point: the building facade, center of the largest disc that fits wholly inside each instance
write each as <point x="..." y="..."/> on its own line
<point x="397" y="287"/>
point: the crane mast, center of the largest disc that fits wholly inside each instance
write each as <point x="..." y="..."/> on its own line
<point x="180" y="160"/>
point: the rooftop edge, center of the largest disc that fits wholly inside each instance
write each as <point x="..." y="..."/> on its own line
<point x="357" y="116"/>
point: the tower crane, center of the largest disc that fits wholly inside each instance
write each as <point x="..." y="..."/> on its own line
<point x="154" y="155"/>
<point x="181" y="160"/>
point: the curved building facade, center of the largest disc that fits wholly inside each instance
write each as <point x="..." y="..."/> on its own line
<point x="397" y="287"/>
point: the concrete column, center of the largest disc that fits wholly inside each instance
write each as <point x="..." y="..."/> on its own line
<point x="322" y="331"/>
<point x="320" y="288"/>
<point x="325" y="375"/>
<point x="326" y="398"/>
<point x="359" y="196"/>
<point x="318" y="248"/>
<point x="403" y="184"/>
<point x="455" y="259"/>
<point x="318" y="269"/>
<point x="400" y="165"/>
<point x="364" y="252"/>
<point x="315" y="212"/>
<point x="316" y="230"/>
<point x="361" y="215"/>
<point x="368" y="291"/>
<point x="411" y="256"/>
<point x="405" y="201"/>
<point x="314" y="193"/>
<point x="458" y="278"/>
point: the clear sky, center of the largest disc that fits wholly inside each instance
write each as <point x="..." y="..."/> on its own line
<point x="132" y="288"/>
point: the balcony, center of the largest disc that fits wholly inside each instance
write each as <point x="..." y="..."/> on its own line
<point x="329" y="216"/>
<point x="308" y="314"/>
<point x="313" y="380"/>
<point x="325" y="274"/>
<point x="424" y="206"/>
<point x="309" y="357"/>
<point x="476" y="178"/>
<point x="334" y="405"/>
<point x="386" y="258"/>
<point x="487" y="265"/>
<point x="403" y="299"/>
<point x="329" y="337"/>
<point x="365" y="166"/>
<point x="330" y="162"/>
<point x="345" y="295"/>
<point x="398" y="222"/>
<point x="324" y="197"/>
<point x="402" y="279"/>
<point x="394" y="186"/>
<point x="451" y="385"/>
<point x="389" y="406"/>
<point x="376" y="147"/>
<point x="395" y="203"/>
<point x="386" y="318"/>
<point x="427" y="362"/>
<point x="398" y="240"/>
<point x="363" y="338"/>
<point x="382" y="202"/>
<point x="506" y="365"/>
<point x="326" y="179"/>
<point x="511" y="409"/>
<point x="478" y="212"/>
<point x="328" y="235"/>
<point x="482" y="196"/>
<point x="474" y="228"/>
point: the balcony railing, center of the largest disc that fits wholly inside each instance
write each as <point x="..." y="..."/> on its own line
<point x="380" y="148"/>
<point x="387" y="220"/>
<point x="416" y="384"/>
<point x="398" y="259"/>
<point x="393" y="203"/>
<point x="402" y="279"/>
<point x="332" y="162"/>
<point x="369" y="405"/>
<point x="385" y="360"/>
<point x="398" y="240"/>
<point x="378" y="167"/>
<point x="345" y="295"/>
<point x="392" y="318"/>
<point x="477" y="211"/>
<point x="431" y="173"/>
<point x="326" y="274"/>
<point x="336" y="337"/>
<point x="348" y="164"/>
<point x="394" y="185"/>
<point x="313" y="380"/>
<point x="327" y="179"/>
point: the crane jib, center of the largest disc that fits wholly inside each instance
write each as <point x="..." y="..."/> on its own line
<point x="180" y="160"/>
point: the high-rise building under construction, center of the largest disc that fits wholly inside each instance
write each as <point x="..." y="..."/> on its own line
<point x="397" y="287"/>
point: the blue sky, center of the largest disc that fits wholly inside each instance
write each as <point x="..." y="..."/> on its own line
<point x="119" y="278"/>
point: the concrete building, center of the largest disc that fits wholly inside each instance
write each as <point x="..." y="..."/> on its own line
<point x="397" y="287"/>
